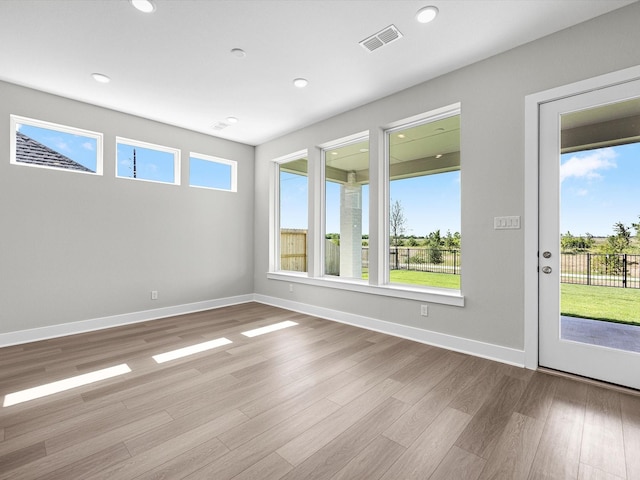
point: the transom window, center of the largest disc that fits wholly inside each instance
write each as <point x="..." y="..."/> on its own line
<point x="206" y="171"/>
<point x="146" y="161"/>
<point x="36" y="143"/>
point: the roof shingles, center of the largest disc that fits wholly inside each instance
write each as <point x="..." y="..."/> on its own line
<point x="30" y="151"/>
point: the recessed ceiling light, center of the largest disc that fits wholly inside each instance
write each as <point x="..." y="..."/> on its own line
<point x="427" y="14"/>
<point x="334" y="153"/>
<point x="301" y="82"/>
<point x="232" y="119"/>
<point x="401" y="135"/>
<point x="364" y="150"/>
<point x="145" y="6"/>
<point x="100" y="77"/>
<point x="439" y="155"/>
<point x="238" y="52"/>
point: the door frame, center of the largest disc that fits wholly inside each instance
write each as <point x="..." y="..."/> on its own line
<point x="531" y="186"/>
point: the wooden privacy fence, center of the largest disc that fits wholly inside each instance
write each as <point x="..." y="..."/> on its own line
<point x="293" y="250"/>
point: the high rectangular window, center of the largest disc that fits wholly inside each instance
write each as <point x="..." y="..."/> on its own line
<point x="346" y="174"/>
<point x="293" y="198"/>
<point x="206" y="171"/>
<point x="424" y="203"/>
<point x="36" y="143"/>
<point x="146" y="161"/>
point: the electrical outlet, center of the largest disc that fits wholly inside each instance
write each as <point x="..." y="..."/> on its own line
<point x="424" y="310"/>
<point x="154" y="294"/>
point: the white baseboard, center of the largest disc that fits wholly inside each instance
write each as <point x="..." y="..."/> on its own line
<point x="464" y="345"/>
<point x="43" y="333"/>
<point x="489" y="351"/>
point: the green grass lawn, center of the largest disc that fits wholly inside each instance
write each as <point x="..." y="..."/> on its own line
<point x="410" y="277"/>
<point x="620" y="305"/>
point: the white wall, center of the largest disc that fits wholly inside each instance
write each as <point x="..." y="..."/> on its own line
<point x="492" y="94"/>
<point x="79" y="247"/>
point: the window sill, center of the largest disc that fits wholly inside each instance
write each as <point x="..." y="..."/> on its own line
<point x="431" y="295"/>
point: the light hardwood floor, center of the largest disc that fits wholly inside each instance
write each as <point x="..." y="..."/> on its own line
<point x="319" y="400"/>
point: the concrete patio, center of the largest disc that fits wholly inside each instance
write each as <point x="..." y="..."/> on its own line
<point x="596" y="332"/>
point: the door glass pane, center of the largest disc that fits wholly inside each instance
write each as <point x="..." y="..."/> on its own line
<point x="600" y="223"/>
<point x="347" y="210"/>
<point x="294" y="195"/>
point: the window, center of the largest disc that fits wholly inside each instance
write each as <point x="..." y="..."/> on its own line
<point x="346" y="175"/>
<point x="211" y="172"/>
<point x="146" y="161"/>
<point x="293" y="196"/>
<point x="384" y="211"/>
<point x="424" y="203"/>
<point x="36" y="143"/>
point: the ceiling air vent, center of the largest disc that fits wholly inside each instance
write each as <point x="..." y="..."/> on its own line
<point x="383" y="37"/>
<point x="220" y="126"/>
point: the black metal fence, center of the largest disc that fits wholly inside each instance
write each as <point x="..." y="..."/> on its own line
<point x="599" y="269"/>
<point x="436" y="260"/>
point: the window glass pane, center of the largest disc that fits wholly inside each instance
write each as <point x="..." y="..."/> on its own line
<point x="347" y="210"/>
<point x="145" y="162"/>
<point x="46" y="146"/>
<point x="424" y="206"/>
<point x="294" y="197"/>
<point x="209" y="172"/>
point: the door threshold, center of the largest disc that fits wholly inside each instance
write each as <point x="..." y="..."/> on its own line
<point x="590" y="381"/>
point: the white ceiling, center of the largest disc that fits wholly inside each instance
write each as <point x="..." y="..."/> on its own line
<point x="175" y="65"/>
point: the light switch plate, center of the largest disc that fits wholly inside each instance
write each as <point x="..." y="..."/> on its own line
<point x="506" y="223"/>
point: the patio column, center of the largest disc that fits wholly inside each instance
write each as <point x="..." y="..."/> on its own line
<point x="351" y="228"/>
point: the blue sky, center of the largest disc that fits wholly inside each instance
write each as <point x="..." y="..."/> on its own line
<point x="599" y="188"/>
<point x="150" y="164"/>
<point x="205" y="173"/>
<point x="429" y="203"/>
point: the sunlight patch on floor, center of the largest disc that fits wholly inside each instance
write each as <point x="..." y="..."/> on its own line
<point x="190" y="350"/>
<point x="65" y="384"/>
<point x="269" y="328"/>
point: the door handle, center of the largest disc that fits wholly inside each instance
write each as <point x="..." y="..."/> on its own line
<point x="546" y="269"/>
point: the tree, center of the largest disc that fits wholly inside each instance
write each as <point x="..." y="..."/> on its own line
<point x="636" y="226"/>
<point x="569" y="243"/>
<point x="434" y="244"/>
<point x="397" y="223"/>
<point x="452" y="241"/>
<point x="621" y="239"/>
<point x="617" y="244"/>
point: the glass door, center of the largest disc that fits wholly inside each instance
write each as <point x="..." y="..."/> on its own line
<point x="589" y="238"/>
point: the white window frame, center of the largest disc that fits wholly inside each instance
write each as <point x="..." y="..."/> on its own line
<point x="428" y="117"/>
<point x="152" y="146"/>
<point x="274" y="213"/>
<point x="14" y="120"/>
<point x="378" y="219"/>
<point x="209" y="158"/>
<point x="327" y="147"/>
